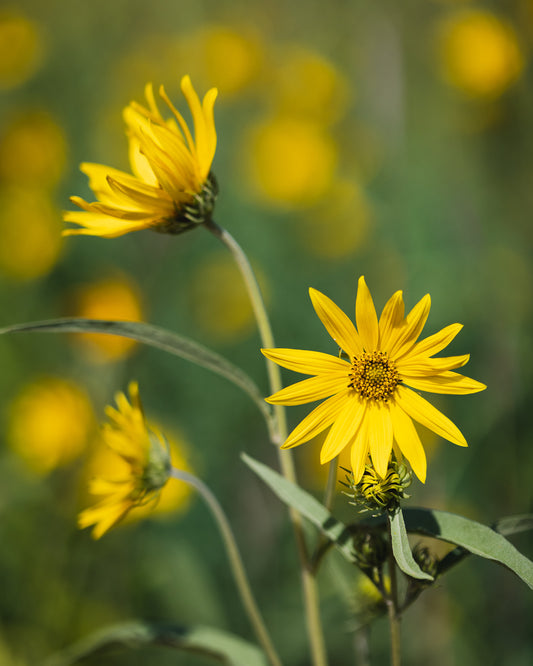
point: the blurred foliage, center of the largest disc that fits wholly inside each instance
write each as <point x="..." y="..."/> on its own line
<point x="385" y="139"/>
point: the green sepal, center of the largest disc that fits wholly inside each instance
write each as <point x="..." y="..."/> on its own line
<point x="154" y="337"/>
<point x="474" y="537"/>
<point x="222" y="646"/>
<point x="401" y="548"/>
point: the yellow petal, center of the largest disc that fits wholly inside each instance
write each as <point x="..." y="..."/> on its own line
<point x="344" y="429"/>
<point x="446" y="382"/>
<point x="204" y="134"/>
<point x="181" y="122"/>
<point x="425" y="413"/>
<point x="380" y="434"/>
<point x="318" y="420"/>
<point x="423" y="366"/>
<point x="437" y="342"/>
<point x="309" y="390"/>
<point x="391" y="316"/>
<point x="156" y="202"/>
<point x="406" y="334"/>
<point x="139" y="164"/>
<point x="408" y="440"/>
<point x="307" y="362"/>
<point x="98" y="224"/>
<point x="366" y="317"/>
<point x="359" y="452"/>
<point x="337" y="323"/>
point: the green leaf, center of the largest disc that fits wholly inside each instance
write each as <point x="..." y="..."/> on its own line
<point x="401" y="548"/>
<point x="222" y="646"/>
<point x="154" y="337"/>
<point x="474" y="537"/>
<point x="306" y="505"/>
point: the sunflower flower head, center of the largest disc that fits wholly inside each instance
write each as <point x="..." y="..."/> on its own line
<point x="171" y="187"/>
<point x="370" y="391"/>
<point x="146" y="453"/>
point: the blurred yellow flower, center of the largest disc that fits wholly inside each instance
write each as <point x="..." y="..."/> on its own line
<point x="113" y="298"/>
<point x="32" y="150"/>
<point x="172" y="188"/>
<point x="173" y="497"/>
<point x="146" y="468"/>
<point x="223" y="54"/>
<point x="480" y="54"/>
<point x="370" y="402"/>
<point x="20" y="49"/>
<point x="308" y="86"/>
<point x="291" y="161"/>
<point x="339" y="225"/>
<point x="219" y="300"/>
<point x="50" y="423"/>
<point x="30" y="233"/>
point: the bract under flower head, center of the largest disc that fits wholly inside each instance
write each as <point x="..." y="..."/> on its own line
<point x="370" y="405"/>
<point x="146" y="453"/>
<point x="171" y="189"/>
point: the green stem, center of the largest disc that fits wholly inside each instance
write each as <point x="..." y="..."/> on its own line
<point x="310" y="592"/>
<point x="392" y="608"/>
<point x="236" y="563"/>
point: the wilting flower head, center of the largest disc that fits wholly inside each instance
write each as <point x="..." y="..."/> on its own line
<point x="146" y="453"/>
<point x="171" y="188"/>
<point x="370" y="403"/>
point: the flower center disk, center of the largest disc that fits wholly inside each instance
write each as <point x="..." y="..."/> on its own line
<point x="373" y="376"/>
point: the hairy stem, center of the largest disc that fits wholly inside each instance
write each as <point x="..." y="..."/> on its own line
<point x="309" y="585"/>
<point x="236" y="563"/>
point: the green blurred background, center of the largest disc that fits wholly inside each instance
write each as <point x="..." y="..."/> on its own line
<point x="355" y="138"/>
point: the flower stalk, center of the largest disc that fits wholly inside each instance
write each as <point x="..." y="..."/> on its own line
<point x="278" y="435"/>
<point x="236" y="563"/>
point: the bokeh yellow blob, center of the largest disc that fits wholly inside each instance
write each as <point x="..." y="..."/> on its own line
<point x="231" y="59"/>
<point x="30" y="233"/>
<point x="480" y="54"/>
<point x="174" y="497"/>
<point x="339" y="225"/>
<point x="292" y="161"/>
<point x="32" y="150"/>
<point x="50" y="423"/>
<point x="309" y="86"/>
<point x="20" y="49"/>
<point x="219" y="301"/>
<point x="116" y="298"/>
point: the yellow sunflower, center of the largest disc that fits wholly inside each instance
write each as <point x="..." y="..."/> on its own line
<point x="146" y="453"/>
<point x="171" y="188"/>
<point x="370" y="403"/>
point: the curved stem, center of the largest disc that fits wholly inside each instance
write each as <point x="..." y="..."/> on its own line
<point x="310" y="592"/>
<point x="236" y="563"/>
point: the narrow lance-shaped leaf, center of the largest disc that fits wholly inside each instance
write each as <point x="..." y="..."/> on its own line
<point x="154" y="337"/>
<point x="306" y="505"/>
<point x="474" y="537"/>
<point x="220" y="645"/>
<point x="401" y="548"/>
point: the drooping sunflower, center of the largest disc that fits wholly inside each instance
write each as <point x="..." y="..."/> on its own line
<point x="371" y="395"/>
<point x="171" y="189"/>
<point x="145" y="451"/>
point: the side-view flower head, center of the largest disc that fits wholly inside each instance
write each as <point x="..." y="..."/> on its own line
<point x="371" y="396"/>
<point x="145" y="451"/>
<point x="171" y="189"/>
